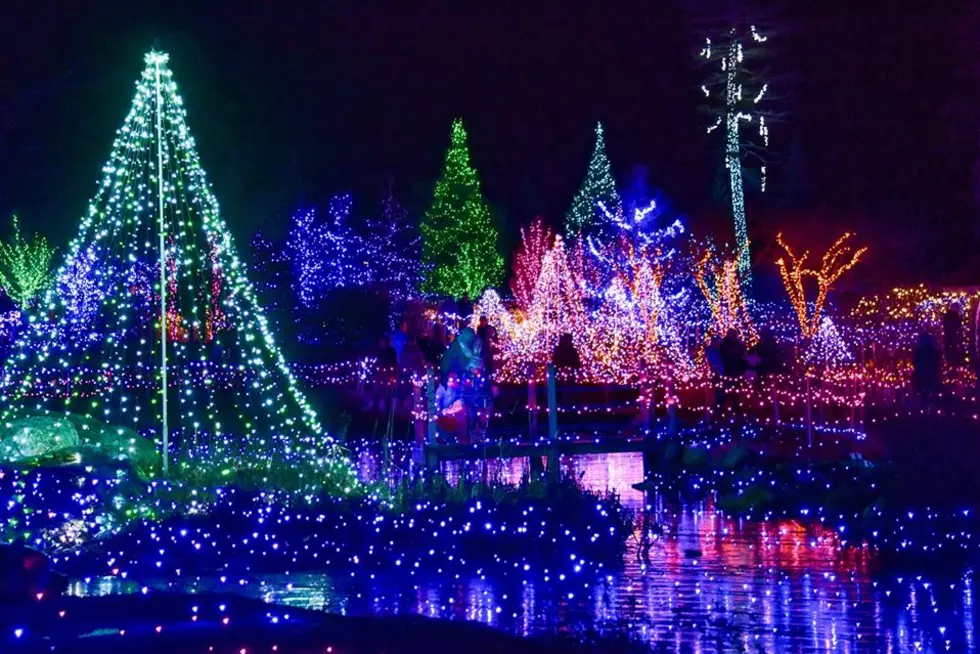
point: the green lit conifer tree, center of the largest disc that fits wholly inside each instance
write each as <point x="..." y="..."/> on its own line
<point x="459" y="240"/>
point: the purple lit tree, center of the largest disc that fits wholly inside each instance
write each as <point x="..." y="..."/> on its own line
<point x="306" y="251"/>
<point x="394" y="244"/>
<point x="348" y="258"/>
<point x="80" y="288"/>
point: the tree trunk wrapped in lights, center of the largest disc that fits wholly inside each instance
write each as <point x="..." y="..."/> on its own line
<point x="839" y="259"/>
<point x="740" y="100"/>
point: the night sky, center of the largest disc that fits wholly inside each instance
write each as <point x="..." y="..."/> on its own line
<point x="292" y="101"/>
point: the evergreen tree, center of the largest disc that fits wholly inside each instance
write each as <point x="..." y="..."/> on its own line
<point x="599" y="186"/>
<point x="178" y="349"/>
<point x="459" y="240"/>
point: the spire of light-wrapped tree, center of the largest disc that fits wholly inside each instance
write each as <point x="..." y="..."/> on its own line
<point x="177" y="350"/>
<point x="599" y="186"/>
<point x="459" y="240"/>
<point x="737" y="99"/>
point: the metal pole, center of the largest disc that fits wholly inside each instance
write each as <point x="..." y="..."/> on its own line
<point x="430" y="402"/>
<point x="671" y="402"/>
<point x="552" y="404"/>
<point x="163" y="275"/>
<point x="532" y="404"/>
<point x="809" y="413"/>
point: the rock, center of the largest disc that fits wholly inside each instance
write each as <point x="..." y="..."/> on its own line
<point x="74" y="439"/>
<point x="37" y="436"/>
<point x="695" y="457"/>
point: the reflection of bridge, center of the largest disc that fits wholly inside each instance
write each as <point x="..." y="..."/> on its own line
<point x="551" y="450"/>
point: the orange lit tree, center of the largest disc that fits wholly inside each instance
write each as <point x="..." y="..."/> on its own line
<point x="719" y="282"/>
<point x="840" y="258"/>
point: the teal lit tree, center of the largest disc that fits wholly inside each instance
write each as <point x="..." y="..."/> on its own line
<point x="459" y="240"/>
<point x="599" y="186"/>
<point x="173" y="345"/>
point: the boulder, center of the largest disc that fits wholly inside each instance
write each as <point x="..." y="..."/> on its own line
<point x="73" y="439"/>
<point x="36" y="436"/>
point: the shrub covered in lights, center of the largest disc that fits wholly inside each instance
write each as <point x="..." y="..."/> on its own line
<point x="537" y="528"/>
<point x="622" y="293"/>
<point x="154" y="327"/>
<point x="25" y="267"/>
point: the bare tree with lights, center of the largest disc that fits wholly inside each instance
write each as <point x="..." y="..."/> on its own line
<point x="794" y="271"/>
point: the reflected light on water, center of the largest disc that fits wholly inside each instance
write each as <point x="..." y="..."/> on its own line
<point x="707" y="583"/>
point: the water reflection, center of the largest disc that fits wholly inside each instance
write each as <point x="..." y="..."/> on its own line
<point x="708" y="583"/>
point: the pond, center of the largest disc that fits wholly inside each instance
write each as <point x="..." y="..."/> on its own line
<point x="707" y="583"/>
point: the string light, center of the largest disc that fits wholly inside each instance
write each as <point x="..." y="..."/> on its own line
<point x="891" y="324"/>
<point x="80" y="288"/>
<point x="392" y="248"/>
<point x="826" y="346"/>
<point x="737" y="97"/>
<point x="535" y="243"/>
